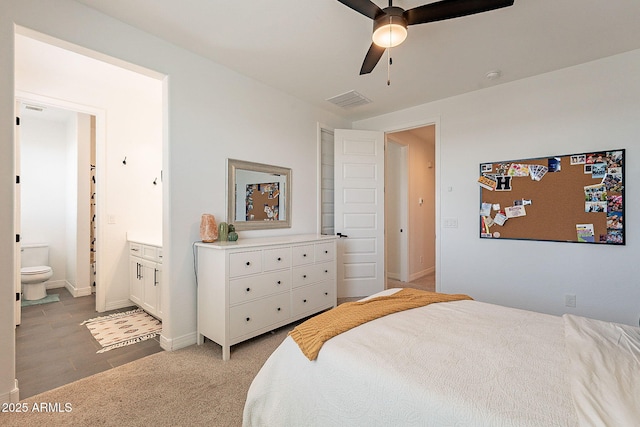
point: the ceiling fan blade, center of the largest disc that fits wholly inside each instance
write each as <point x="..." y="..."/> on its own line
<point x="371" y="60"/>
<point x="447" y="9"/>
<point x="365" y="7"/>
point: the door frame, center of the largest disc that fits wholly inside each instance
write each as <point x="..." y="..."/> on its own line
<point x="100" y="115"/>
<point x="433" y="121"/>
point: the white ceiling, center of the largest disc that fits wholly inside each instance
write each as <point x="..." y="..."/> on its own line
<point x="313" y="49"/>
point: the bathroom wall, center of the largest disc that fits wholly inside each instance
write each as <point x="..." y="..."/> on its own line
<point x="78" y="279"/>
<point x="44" y="146"/>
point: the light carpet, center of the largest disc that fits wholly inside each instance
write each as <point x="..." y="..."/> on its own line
<point x="192" y="386"/>
<point x="121" y="329"/>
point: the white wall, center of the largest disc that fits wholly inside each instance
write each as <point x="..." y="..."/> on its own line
<point x="393" y="220"/>
<point x="44" y="165"/>
<point x="212" y="112"/>
<point x="590" y="107"/>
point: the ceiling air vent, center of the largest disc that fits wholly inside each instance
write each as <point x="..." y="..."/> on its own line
<point x="34" y="107"/>
<point x="349" y="99"/>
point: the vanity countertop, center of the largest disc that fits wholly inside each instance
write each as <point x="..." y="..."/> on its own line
<point x="145" y="239"/>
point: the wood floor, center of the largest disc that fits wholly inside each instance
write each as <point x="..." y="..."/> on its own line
<point x="53" y="349"/>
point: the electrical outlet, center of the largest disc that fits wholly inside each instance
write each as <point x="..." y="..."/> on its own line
<point x="450" y="222"/>
<point x="570" y="300"/>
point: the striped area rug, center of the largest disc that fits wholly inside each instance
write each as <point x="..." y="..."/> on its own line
<point x="122" y="329"/>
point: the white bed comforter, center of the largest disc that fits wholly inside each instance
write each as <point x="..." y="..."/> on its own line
<point x="604" y="371"/>
<point x="462" y="363"/>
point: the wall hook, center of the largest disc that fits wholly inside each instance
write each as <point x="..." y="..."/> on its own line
<point x="155" y="181"/>
<point x="124" y="162"/>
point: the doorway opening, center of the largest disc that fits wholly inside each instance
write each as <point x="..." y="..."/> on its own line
<point x="409" y="204"/>
<point x="410" y="214"/>
<point x="128" y="161"/>
<point x="58" y="192"/>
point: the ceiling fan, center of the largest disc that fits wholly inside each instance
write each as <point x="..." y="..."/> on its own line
<point x="390" y="24"/>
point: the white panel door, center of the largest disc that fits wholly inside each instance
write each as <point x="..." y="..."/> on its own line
<point x="359" y="211"/>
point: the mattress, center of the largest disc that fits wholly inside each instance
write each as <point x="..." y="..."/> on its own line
<point x="462" y="363"/>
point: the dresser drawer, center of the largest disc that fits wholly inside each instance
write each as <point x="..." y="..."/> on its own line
<point x="244" y="263"/>
<point x="324" y="251"/>
<point x="252" y="316"/>
<point x="309" y="274"/>
<point x="276" y="259"/>
<point x="303" y="254"/>
<point x="249" y="288"/>
<point x="311" y="298"/>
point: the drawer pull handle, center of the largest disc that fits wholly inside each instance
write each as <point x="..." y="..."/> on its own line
<point x="304" y="276"/>
<point x="304" y="255"/>
<point x="279" y="259"/>
<point x="248" y="289"/>
<point x="248" y="263"/>
<point x="326" y="293"/>
<point x="278" y="308"/>
<point x="304" y="300"/>
<point x="279" y="282"/>
<point x="326" y="271"/>
<point x="248" y="319"/>
<point x="326" y="252"/>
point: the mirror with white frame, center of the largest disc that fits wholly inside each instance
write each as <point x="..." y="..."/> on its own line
<point x="258" y="195"/>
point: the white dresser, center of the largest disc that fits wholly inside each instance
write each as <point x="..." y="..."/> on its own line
<point x="252" y="286"/>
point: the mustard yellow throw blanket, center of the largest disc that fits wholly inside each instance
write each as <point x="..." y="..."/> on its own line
<point x="312" y="334"/>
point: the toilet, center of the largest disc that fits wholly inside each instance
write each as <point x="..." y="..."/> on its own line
<point x="34" y="271"/>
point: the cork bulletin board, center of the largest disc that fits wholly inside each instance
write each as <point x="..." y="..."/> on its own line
<point x="568" y="198"/>
<point x="263" y="202"/>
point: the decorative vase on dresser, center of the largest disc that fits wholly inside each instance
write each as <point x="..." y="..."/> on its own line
<point x="255" y="285"/>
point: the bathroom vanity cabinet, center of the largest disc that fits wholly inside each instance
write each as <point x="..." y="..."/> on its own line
<point x="252" y="286"/>
<point x="145" y="277"/>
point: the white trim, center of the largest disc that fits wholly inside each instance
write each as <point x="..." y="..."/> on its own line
<point x="170" y="344"/>
<point x="45" y="38"/>
<point x="77" y="292"/>
<point x="116" y="305"/>
<point x="420" y="274"/>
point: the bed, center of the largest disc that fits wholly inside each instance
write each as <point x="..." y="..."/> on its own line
<point x="461" y="363"/>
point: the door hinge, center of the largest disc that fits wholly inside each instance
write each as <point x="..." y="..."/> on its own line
<point x="17" y="296"/>
<point x="17" y="121"/>
<point x="17" y="179"/>
<point x="17" y="238"/>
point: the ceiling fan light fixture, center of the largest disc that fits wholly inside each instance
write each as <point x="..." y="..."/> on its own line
<point x="389" y="30"/>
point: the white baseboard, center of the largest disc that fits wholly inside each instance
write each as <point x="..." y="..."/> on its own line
<point x="178" y="343"/>
<point x="13" y="395"/>
<point x="55" y="284"/>
<point x="393" y="276"/>
<point x="114" y="305"/>
<point x="78" y="292"/>
<point x="419" y="274"/>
